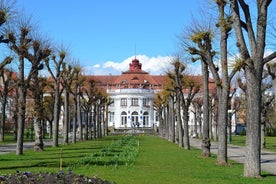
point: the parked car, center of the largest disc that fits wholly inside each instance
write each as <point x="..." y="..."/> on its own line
<point x="240" y="129"/>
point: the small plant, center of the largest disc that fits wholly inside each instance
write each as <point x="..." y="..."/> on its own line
<point x="121" y="152"/>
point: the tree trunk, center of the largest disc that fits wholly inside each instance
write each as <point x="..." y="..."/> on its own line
<point x="167" y="122"/>
<point x="3" y="119"/>
<point x="90" y="135"/>
<point x="263" y="140"/>
<point x="186" y="139"/>
<point x="199" y="119"/>
<point x="222" y="126"/>
<point x="179" y="121"/>
<point x="66" y="117"/>
<point x="98" y="121"/>
<point x="21" y="109"/>
<point x="74" y="136"/>
<point x="79" y="119"/>
<point x="215" y="123"/>
<point x="206" y="143"/>
<point x="95" y="112"/>
<point x="86" y="116"/>
<point x="252" y="166"/>
<point x="195" y="134"/>
<point x="15" y="118"/>
<point x="21" y="121"/>
<point x="171" y="122"/>
<point x="106" y="120"/>
<point x="253" y="57"/>
<point x="56" y="115"/>
<point x="50" y="129"/>
<point x="39" y="145"/>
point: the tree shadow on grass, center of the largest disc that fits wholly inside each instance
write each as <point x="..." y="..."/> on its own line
<point x="268" y="175"/>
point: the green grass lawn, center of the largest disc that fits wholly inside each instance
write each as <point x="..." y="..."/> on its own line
<point x="158" y="162"/>
<point x="270" y="142"/>
<point x="9" y="138"/>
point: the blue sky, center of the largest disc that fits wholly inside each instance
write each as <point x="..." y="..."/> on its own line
<point x="104" y="35"/>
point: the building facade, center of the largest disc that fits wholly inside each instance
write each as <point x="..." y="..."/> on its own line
<point x="132" y="94"/>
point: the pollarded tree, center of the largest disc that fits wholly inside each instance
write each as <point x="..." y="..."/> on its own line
<point x="172" y="112"/>
<point x="175" y="87"/>
<point x="202" y="36"/>
<point x="67" y="80"/>
<point x="160" y="104"/>
<point x="58" y="59"/>
<point x="20" y="43"/>
<point x="87" y="99"/>
<point x="40" y="51"/>
<point x="107" y="101"/>
<point x="77" y="83"/>
<point x="251" y="43"/>
<point x="186" y="88"/>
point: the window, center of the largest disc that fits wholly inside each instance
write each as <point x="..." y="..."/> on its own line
<point x="123" y="102"/>
<point x="146" y="119"/>
<point x="145" y="102"/>
<point x="123" y="118"/>
<point x="135" y="119"/>
<point x="134" y="102"/>
<point x="111" y="116"/>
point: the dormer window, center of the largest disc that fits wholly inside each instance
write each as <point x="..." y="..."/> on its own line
<point x="134" y="78"/>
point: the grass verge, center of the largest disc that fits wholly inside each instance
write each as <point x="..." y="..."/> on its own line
<point x="270" y="142"/>
<point x="158" y="162"/>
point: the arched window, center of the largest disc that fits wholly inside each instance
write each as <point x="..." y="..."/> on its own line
<point x="135" y="119"/>
<point x="123" y="118"/>
<point x="146" y="119"/>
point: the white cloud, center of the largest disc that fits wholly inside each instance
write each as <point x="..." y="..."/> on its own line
<point x="97" y="66"/>
<point x="154" y="65"/>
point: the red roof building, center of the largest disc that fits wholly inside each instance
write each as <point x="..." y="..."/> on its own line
<point x="132" y="94"/>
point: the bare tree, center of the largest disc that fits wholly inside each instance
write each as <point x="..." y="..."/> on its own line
<point x="160" y="104"/>
<point x="78" y="81"/>
<point x="6" y="81"/>
<point x="5" y="13"/>
<point x="202" y="36"/>
<point x="67" y="80"/>
<point x="253" y="60"/>
<point x="206" y="142"/>
<point x="58" y="59"/>
<point x="40" y="51"/>
<point x="171" y="112"/>
<point x="182" y="82"/>
<point x="20" y="44"/>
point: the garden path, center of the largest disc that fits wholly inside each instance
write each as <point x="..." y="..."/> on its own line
<point x="237" y="153"/>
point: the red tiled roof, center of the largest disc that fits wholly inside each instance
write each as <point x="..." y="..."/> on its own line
<point x="135" y="77"/>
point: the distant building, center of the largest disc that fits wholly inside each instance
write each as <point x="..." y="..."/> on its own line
<point x="132" y="94"/>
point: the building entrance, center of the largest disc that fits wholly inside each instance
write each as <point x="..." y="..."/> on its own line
<point x="134" y="119"/>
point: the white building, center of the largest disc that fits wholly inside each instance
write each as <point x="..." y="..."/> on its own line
<point x="132" y="94"/>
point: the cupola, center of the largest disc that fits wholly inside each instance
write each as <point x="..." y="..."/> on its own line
<point x="135" y="65"/>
